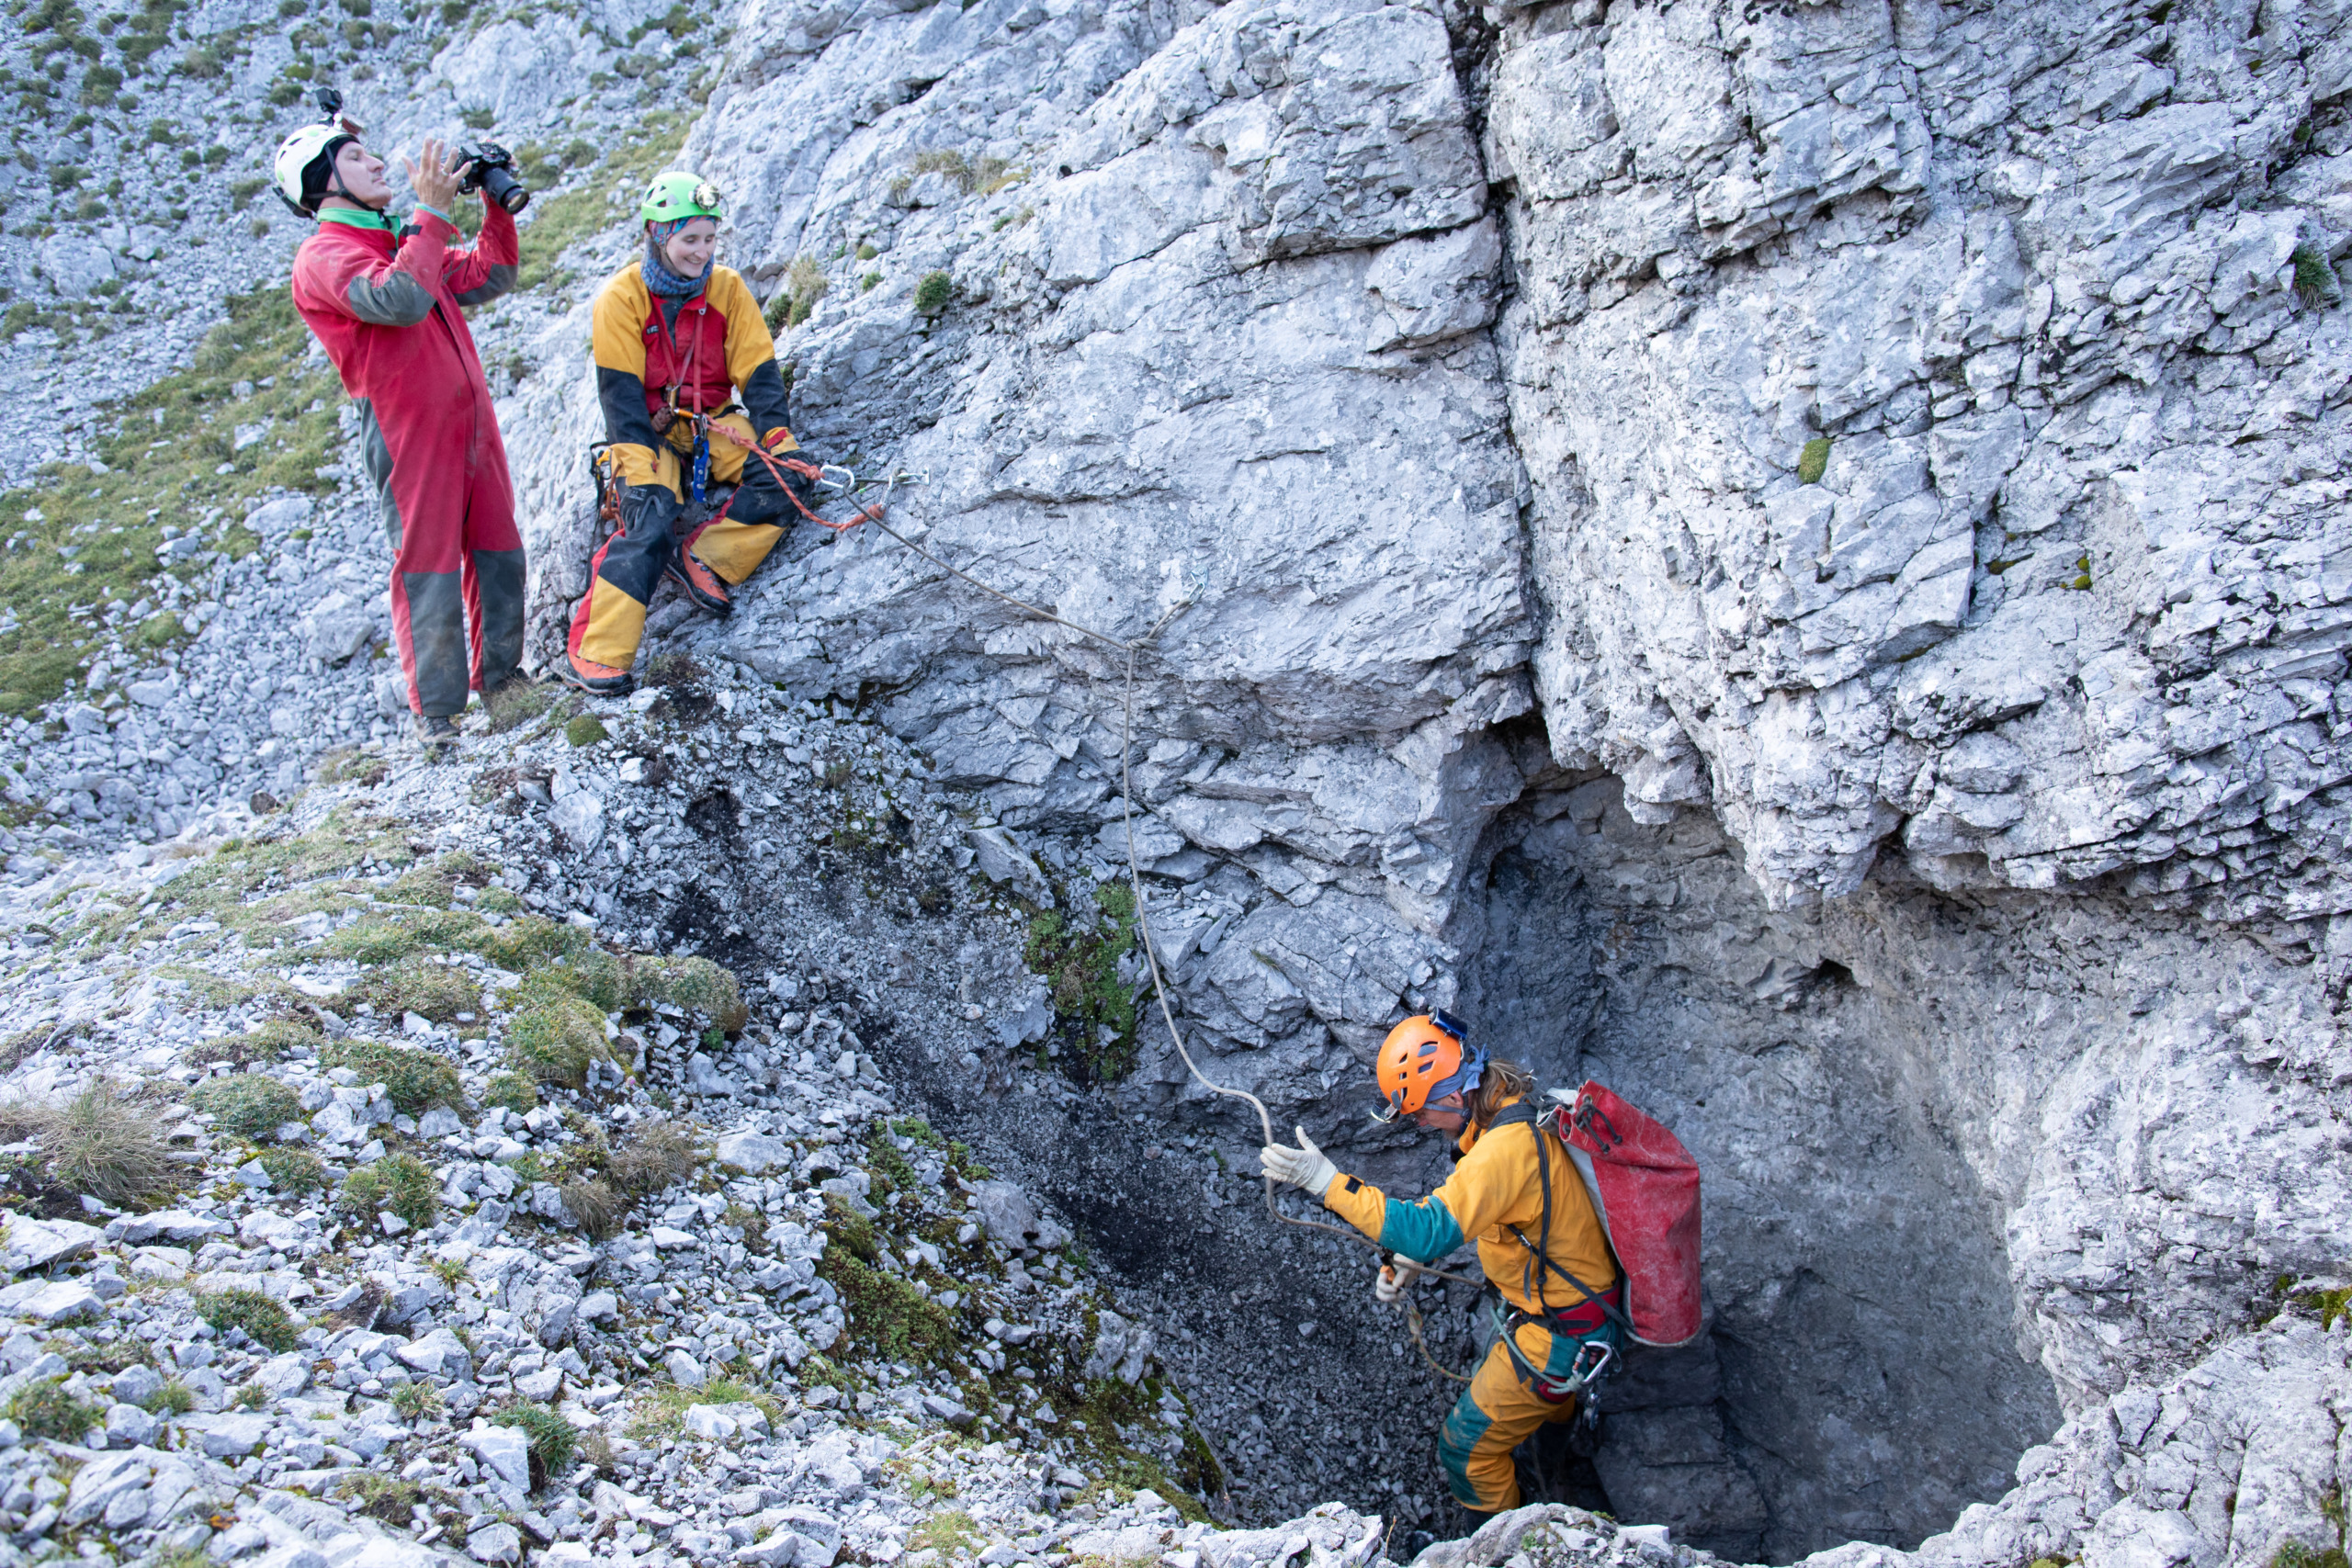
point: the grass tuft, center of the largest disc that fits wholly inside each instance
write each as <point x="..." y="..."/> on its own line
<point x="381" y="1498"/>
<point x="416" y="1080"/>
<point x="270" y="1043"/>
<point x="264" y="1322"/>
<point x="401" y="1183"/>
<point x="251" y="1105"/>
<point x="2317" y="284"/>
<point x="97" y="1145"/>
<point x="430" y="990"/>
<point x="594" y="1205"/>
<point x="552" y="1438"/>
<point x="514" y="1091"/>
<point x="45" y="1410"/>
<point x="554" y="1036"/>
<point x="660" y="1153"/>
<point x="294" y="1170"/>
<point x="416" y="1400"/>
<point x="175" y="1398"/>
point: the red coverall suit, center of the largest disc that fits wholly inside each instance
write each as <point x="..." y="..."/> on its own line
<point x="386" y="307"/>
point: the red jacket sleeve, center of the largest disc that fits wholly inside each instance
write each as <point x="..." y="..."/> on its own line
<point x="485" y="269"/>
<point x="351" y="280"/>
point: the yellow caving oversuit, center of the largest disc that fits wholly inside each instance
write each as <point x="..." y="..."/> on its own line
<point x="681" y="357"/>
<point x="1496" y="1190"/>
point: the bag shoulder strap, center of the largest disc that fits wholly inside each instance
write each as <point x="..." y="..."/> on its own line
<point x="1511" y="1116"/>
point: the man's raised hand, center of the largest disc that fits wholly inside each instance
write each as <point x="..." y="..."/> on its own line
<point x="434" y="174"/>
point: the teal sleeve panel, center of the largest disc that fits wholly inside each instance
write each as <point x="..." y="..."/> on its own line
<point x="1423" y="1232"/>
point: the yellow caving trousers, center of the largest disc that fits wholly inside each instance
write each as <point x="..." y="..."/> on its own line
<point x="621" y="580"/>
<point x="1495" y="1414"/>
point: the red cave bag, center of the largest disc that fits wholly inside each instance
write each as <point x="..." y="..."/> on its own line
<point x="1644" y="1186"/>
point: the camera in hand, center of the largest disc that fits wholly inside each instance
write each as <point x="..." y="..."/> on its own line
<point x="492" y="170"/>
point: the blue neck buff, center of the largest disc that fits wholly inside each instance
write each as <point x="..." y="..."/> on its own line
<point x="661" y="280"/>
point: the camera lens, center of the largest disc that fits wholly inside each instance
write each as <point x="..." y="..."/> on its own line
<point x="505" y="189"/>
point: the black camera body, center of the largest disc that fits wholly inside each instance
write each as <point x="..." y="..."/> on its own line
<point x="491" y="169"/>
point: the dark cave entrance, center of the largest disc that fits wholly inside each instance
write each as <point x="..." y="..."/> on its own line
<point x="1862" y="1378"/>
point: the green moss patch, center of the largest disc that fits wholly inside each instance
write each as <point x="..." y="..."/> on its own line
<point x="1080" y="964"/>
<point x="887" y="1317"/>
<point x="1813" y="461"/>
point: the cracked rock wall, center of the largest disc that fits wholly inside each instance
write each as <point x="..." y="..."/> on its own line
<point x="1216" y="347"/>
<point x="1896" y="454"/>
<point x="2072" y="595"/>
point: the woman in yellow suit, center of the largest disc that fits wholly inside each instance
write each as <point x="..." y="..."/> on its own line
<point x="1514" y="1189"/>
<point x="673" y="336"/>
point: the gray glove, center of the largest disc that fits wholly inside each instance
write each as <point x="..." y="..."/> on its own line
<point x="1304" y="1166"/>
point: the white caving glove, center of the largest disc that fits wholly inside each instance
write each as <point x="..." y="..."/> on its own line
<point x="1396" y="1278"/>
<point x="1304" y="1166"/>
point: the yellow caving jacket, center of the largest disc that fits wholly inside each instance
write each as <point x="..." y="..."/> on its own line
<point x="689" y="355"/>
<point x="1495" y="1189"/>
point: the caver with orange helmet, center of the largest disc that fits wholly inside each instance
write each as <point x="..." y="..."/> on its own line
<point x="1425" y="1058"/>
<point x="1538" y="1241"/>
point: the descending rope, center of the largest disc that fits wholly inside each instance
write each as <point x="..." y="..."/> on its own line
<point x="874" y="514"/>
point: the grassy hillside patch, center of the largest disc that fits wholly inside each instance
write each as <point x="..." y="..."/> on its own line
<point x="609" y="199"/>
<point x="80" y="547"/>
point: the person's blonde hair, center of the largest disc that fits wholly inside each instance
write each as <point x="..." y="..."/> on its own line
<point x="1502" y="1082"/>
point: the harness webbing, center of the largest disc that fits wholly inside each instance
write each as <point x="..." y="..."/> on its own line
<point x="1511" y="1116"/>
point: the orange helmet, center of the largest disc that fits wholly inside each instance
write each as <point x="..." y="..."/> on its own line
<point x="1424" y="1058"/>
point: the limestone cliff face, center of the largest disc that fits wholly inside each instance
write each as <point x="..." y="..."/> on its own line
<point x="2047" y="293"/>
<point x="1793" y="556"/>
<point x="2070" y="598"/>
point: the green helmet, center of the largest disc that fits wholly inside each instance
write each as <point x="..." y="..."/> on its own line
<point x="676" y="195"/>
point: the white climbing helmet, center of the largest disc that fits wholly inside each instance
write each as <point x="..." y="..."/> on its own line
<point x="295" y="157"/>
